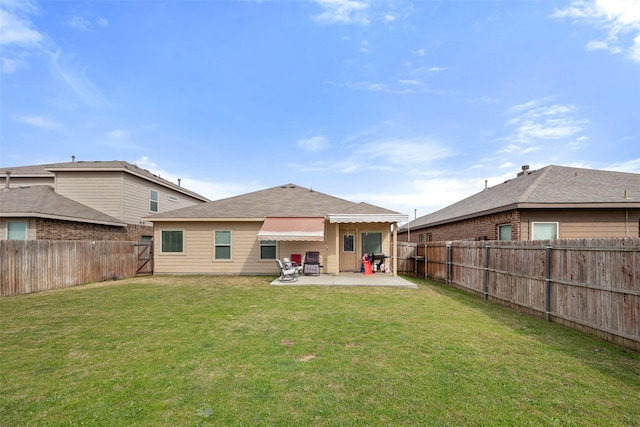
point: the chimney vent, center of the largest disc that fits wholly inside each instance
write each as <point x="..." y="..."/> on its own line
<point x="7" y="179"/>
<point x="73" y="159"/>
<point x="179" y="182"/>
<point x="525" y="170"/>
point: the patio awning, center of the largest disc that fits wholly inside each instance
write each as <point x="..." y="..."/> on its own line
<point x="308" y="229"/>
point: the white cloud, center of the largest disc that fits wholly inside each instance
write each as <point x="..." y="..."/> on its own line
<point x="79" y="23"/>
<point x="117" y="134"/>
<point x="377" y="87"/>
<point x="533" y="124"/>
<point x="209" y="189"/>
<point x="17" y="30"/>
<point x="632" y="166"/>
<point x="435" y="69"/>
<point x="18" y="35"/>
<point x="411" y="82"/>
<point x="343" y="12"/>
<point x="103" y="22"/>
<point x="77" y="80"/>
<point x="615" y="17"/>
<point x="403" y="152"/>
<point x="41" y="122"/>
<point x="11" y="65"/>
<point x="313" y="144"/>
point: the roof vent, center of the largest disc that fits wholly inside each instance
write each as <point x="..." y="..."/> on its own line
<point x="525" y="170"/>
<point x="7" y="179"/>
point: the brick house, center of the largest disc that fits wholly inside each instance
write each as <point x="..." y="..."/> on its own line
<point x="101" y="200"/>
<point x="554" y="202"/>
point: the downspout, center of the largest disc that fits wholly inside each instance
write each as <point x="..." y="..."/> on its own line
<point x="395" y="249"/>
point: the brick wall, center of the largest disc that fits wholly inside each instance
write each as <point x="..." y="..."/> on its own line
<point x="52" y="229"/>
<point x="481" y="228"/>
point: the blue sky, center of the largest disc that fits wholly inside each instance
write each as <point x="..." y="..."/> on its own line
<point x="409" y="105"/>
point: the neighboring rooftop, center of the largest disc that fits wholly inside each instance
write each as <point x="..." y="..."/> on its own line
<point x="288" y="200"/>
<point x="40" y="201"/>
<point x="549" y="187"/>
<point x="80" y="165"/>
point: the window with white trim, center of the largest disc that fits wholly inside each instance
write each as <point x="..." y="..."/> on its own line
<point x="268" y="249"/>
<point x="153" y="200"/>
<point x="172" y="241"/>
<point x="348" y="243"/>
<point x="371" y="243"/>
<point x="222" y="244"/>
<point x="16" y="230"/>
<point x="544" y="230"/>
<point x="504" y="232"/>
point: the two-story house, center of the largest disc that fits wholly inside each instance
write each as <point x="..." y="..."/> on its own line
<point x="85" y="200"/>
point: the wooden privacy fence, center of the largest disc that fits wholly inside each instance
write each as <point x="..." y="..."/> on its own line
<point x="37" y="265"/>
<point x="588" y="284"/>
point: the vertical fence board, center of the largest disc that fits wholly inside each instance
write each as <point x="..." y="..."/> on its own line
<point x="39" y="265"/>
<point x="595" y="283"/>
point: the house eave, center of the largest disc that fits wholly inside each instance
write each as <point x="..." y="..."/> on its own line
<point x="60" y="218"/>
<point x="523" y="206"/>
<point x="362" y="218"/>
<point x="205" y="219"/>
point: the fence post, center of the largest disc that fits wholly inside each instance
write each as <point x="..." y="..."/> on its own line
<point x="547" y="287"/>
<point x="486" y="271"/>
<point x="426" y="261"/>
<point x="448" y="278"/>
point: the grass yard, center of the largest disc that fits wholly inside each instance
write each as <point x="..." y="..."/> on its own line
<point x="169" y="351"/>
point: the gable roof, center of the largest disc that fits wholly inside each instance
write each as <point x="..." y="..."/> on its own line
<point x="40" y="201"/>
<point x="288" y="200"/>
<point x="83" y="166"/>
<point x="550" y="187"/>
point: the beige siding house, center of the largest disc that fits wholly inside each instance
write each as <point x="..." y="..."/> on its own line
<point x="244" y="234"/>
<point x="118" y="189"/>
<point x="554" y="202"/>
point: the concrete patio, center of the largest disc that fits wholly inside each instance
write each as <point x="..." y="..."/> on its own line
<point x="349" y="279"/>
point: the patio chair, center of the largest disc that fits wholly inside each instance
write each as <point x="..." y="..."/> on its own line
<point x="289" y="264"/>
<point x="311" y="263"/>
<point x="286" y="275"/>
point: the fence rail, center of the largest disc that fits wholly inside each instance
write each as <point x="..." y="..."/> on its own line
<point x="37" y="265"/>
<point x="589" y="284"/>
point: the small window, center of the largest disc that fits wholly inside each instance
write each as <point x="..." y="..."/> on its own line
<point x="421" y="238"/>
<point x="268" y="249"/>
<point x="348" y="243"/>
<point x="504" y="232"/>
<point x="429" y="237"/>
<point x="16" y="230"/>
<point x="153" y="201"/>
<point x="172" y="241"/>
<point x="544" y="231"/>
<point x="146" y="238"/>
<point x="222" y="244"/>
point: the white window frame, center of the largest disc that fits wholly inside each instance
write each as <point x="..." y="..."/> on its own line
<point x="353" y="242"/>
<point x="152" y="200"/>
<point x="510" y="232"/>
<point x="26" y="229"/>
<point x="162" y="243"/>
<point x="533" y="229"/>
<point x="230" y="245"/>
<point x="265" y="244"/>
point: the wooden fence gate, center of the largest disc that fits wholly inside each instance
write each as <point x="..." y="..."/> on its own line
<point x="145" y="258"/>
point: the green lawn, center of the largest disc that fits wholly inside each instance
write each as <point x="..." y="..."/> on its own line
<point x="235" y="351"/>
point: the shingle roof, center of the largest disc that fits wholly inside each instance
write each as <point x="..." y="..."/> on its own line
<point x="286" y="200"/>
<point x="551" y="186"/>
<point x="114" y="165"/>
<point x="40" y="201"/>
